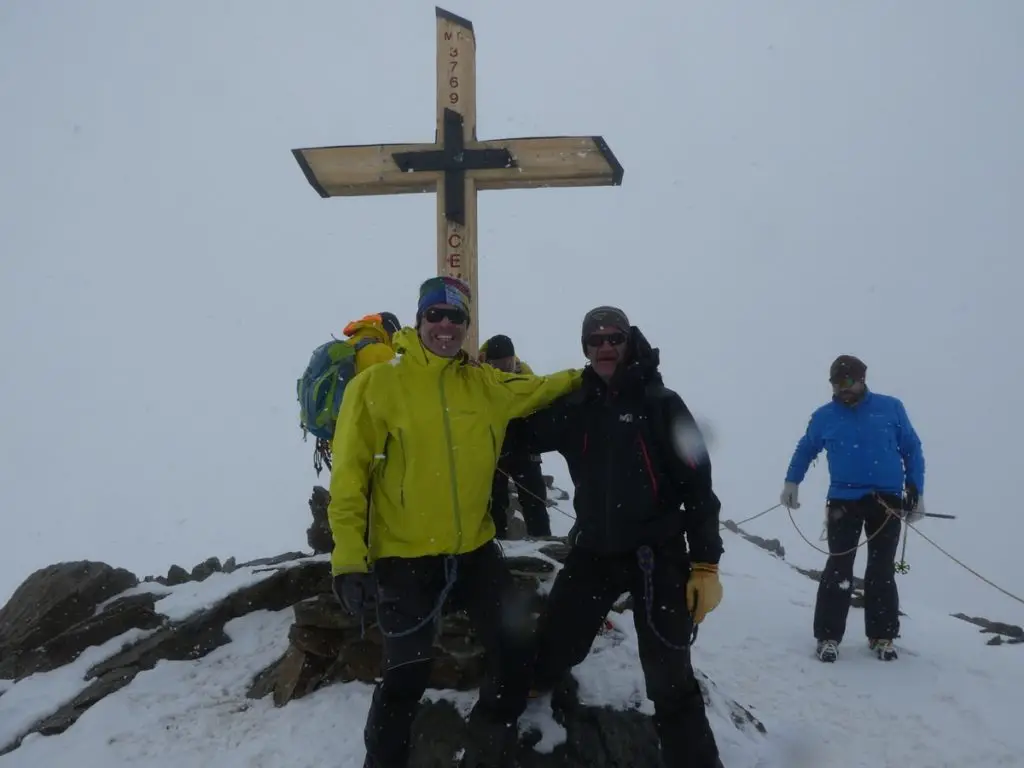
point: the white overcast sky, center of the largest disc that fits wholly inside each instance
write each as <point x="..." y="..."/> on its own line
<point x="803" y="179"/>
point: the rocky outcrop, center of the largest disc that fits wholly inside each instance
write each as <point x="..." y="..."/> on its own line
<point x="190" y="638"/>
<point x="62" y="611"/>
<point x="774" y="546"/>
<point x="50" y="608"/>
<point x="1001" y="633"/>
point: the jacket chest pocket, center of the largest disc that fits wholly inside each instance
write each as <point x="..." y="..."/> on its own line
<point x="841" y="434"/>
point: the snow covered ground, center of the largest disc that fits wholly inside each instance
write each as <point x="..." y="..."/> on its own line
<point x="948" y="701"/>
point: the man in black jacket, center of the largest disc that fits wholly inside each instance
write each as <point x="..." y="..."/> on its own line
<point x="643" y="491"/>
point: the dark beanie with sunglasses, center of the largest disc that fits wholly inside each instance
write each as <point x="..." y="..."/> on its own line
<point x="847" y="366"/>
<point x="443" y="290"/>
<point x="603" y="317"/>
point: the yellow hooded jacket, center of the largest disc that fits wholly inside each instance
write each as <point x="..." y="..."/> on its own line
<point x="415" y="450"/>
<point x="369" y="327"/>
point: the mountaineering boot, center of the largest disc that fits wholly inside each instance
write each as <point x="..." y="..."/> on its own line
<point x="884" y="649"/>
<point x="828" y="650"/>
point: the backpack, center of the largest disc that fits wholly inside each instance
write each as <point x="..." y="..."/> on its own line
<point x="321" y="387"/>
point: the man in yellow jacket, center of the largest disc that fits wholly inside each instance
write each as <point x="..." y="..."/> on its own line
<point x="516" y="463"/>
<point x="415" y="449"/>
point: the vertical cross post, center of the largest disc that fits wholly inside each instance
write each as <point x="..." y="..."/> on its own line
<point x="457" y="165"/>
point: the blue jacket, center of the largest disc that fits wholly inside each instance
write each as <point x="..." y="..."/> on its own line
<point x="871" y="446"/>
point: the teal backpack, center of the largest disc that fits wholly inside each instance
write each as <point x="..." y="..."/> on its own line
<point x="320" y="389"/>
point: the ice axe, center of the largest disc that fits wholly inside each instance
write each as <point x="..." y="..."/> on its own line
<point x="936" y="514"/>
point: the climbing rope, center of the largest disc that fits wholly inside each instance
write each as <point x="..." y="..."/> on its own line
<point x="547" y="502"/>
<point x="645" y="559"/>
<point x="894" y="513"/>
<point x="754" y="517"/>
<point x="836" y="554"/>
<point x="451" y="571"/>
<point x="902" y="567"/>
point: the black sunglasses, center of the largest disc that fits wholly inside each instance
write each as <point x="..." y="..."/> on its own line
<point x="843" y="382"/>
<point x="437" y="314"/>
<point x="614" y="339"/>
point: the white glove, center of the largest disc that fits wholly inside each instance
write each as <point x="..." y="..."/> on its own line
<point x="916" y="514"/>
<point x="790" y="496"/>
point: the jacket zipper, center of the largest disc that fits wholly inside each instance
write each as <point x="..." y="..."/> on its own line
<point x="451" y="463"/>
<point x="405" y="459"/>
<point x="647" y="464"/>
<point x="608" y="475"/>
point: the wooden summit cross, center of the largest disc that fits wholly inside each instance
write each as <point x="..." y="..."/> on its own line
<point x="456" y="165"/>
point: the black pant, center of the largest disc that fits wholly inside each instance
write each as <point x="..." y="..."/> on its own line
<point x="583" y="593"/>
<point x="530" y="488"/>
<point x="408" y="590"/>
<point x="881" y="597"/>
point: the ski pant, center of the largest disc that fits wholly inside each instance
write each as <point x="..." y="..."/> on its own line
<point x="845" y="521"/>
<point x="408" y="591"/>
<point x="581" y="597"/>
<point x="526" y="472"/>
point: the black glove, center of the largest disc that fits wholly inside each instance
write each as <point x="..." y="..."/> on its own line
<point x="911" y="498"/>
<point x="357" y="592"/>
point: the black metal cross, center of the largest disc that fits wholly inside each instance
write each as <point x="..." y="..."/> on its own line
<point x="454" y="159"/>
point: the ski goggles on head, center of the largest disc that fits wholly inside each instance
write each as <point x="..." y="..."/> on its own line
<point x="596" y="340"/>
<point x="437" y="314"/>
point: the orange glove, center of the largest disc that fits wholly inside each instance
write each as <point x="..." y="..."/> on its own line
<point x="703" y="590"/>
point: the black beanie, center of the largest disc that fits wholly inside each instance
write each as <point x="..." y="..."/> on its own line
<point x="390" y="323"/>
<point x="847" y="365"/>
<point x="498" y="347"/>
<point x="603" y="317"/>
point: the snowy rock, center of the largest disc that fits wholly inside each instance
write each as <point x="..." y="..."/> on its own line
<point x="205" y="569"/>
<point x="769" y="545"/>
<point x="175" y="633"/>
<point x="116" y="618"/>
<point x="318" y="535"/>
<point x="53" y="600"/>
<point x="143" y="626"/>
<point x="1004" y="633"/>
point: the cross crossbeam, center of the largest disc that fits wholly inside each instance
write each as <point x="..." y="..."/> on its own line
<point x="456" y="165"/>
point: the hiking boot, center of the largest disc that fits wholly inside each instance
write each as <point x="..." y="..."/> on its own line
<point x="828" y="650"/>
<point x="883" y="648"/>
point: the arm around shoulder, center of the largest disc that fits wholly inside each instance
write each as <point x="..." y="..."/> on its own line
<point x="521" y="395"/>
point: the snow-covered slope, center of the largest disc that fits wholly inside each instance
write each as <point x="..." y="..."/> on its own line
<point x="948" y="701"/>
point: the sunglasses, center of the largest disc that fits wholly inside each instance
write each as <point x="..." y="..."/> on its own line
<point x="437" y="314"/>
<point x="844" y="382"/>
<point x="595" y="340"/>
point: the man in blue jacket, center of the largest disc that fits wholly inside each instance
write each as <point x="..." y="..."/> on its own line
<point x="875" y="465"/>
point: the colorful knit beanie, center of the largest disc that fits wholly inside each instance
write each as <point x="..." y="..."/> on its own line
<point x="443" y="290"/>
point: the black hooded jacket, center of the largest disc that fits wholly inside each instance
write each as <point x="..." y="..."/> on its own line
<point x="634" y="486"/>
